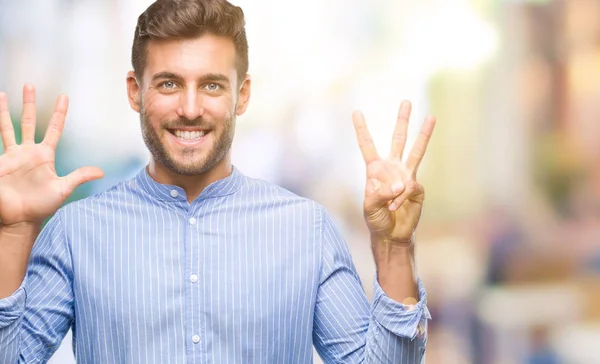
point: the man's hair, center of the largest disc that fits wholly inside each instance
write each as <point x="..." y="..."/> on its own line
<point x="186" y="19"/>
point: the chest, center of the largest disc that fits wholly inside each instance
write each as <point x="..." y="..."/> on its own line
<point x="214" y="271"/>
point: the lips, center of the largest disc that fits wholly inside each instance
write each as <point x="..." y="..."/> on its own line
<point x="189" y="136"/>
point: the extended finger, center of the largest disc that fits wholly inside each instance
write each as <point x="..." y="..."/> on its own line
<point x="6" y="126"/>
<point x="365" y="141"/>
<point x="28" y="116"/>
<point x="420" y="146"/>
<point x="79" y="177"/>
<point x="400" y="131"/>
<point x="57" y="122"/>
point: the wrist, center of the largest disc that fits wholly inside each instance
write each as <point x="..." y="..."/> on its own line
<point x="396" y="274"/>
<point x="393" y="259"/>
<point x="394" y="241"/>
<point x="21" y="229"/>
<point x="393" y="248"/>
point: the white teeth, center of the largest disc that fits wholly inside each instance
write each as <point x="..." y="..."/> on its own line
<point x="189" y="135"/>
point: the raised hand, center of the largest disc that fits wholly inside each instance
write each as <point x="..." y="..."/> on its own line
<point x="393" y="197"/>
<point x="30" y="189"/>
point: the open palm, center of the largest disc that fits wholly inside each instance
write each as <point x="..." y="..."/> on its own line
<point x="30" y="189"/>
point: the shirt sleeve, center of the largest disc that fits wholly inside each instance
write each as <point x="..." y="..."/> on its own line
<point x="35" y="319"/>
<point x="347" y="329"/>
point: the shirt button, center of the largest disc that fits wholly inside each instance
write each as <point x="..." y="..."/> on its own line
<point x="174" y="193"/>
<point x="196" y="339"/>
<point x="193" y="278"/>
<point x="192" y="221"/>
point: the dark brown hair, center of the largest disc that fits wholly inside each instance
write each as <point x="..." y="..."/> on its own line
<point x="184" y="19"/>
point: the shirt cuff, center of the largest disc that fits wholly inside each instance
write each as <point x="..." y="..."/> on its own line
<point x="400" y="319"/>
<point x="12" y="307"/>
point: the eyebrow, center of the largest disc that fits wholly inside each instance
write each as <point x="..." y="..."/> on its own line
<point x="209" y="77"/>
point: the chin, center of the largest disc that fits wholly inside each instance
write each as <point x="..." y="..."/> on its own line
<point x="188" y="168"/>
<point x="189" y="160"/>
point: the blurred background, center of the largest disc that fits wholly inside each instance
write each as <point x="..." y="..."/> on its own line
<point x="509" y="242"/>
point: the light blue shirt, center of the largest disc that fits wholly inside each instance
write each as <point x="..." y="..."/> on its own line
<point x="246" y="273"/>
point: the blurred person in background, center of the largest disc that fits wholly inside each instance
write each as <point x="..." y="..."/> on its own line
<point x="190" y="259"/>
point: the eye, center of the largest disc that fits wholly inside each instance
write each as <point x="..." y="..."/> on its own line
<point x="168" y="85"/>
<point x="212" y="87"/>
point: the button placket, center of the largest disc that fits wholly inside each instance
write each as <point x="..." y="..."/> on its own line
<point x="193" y="277"/>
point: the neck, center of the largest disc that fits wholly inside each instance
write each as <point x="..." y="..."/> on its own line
<point x="193" y="185"/>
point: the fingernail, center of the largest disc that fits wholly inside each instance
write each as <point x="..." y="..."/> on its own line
<point x="392" y="207"/>
<point x="397" y="187"/>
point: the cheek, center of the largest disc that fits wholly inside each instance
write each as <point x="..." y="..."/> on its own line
<point x="160" y="107"/>
<point x="218" y="108"/>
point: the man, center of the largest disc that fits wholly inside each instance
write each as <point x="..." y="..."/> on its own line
<point x="191" y="261"/>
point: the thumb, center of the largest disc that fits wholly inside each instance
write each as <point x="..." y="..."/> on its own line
<point x="378" y="194"/>
<point x="79" y="177"/>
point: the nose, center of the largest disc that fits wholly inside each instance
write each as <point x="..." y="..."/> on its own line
<point x="190" y="106"/>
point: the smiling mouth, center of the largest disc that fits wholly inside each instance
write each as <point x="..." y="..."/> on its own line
<point x="188" y="135"/>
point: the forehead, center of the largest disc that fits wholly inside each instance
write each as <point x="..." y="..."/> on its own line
<point x="191" y="57"/>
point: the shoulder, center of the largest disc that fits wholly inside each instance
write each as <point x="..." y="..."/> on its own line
<point x="272" y="195"/>
<point x="106" y="200"/>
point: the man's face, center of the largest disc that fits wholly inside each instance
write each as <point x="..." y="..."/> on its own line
<point x="188" y="102"/>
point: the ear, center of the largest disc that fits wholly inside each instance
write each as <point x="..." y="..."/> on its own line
<point x="133" y="92"/>
<point x="244" y="96"/>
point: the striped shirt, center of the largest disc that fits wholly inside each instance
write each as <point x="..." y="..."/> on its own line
<point x="246" y="273"/>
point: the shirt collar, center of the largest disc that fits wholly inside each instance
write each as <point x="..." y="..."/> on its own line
<point x="165" y="192"/>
